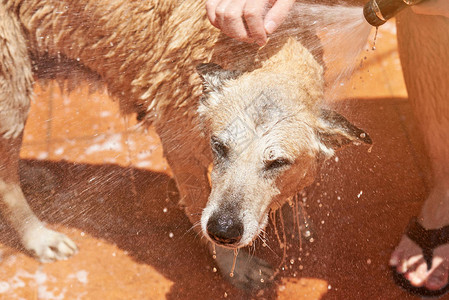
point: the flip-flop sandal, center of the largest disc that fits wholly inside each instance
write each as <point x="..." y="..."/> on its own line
<point x="427" y="240"/>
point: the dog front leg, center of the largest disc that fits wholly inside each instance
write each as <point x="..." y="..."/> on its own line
<point x="15" y="93"/>
<point x="43" y="243"/>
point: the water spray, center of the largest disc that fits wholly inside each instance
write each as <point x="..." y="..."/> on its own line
<point x="377" y="12"/>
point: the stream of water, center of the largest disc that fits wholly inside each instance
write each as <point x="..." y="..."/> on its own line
<point x="343" y="34"/>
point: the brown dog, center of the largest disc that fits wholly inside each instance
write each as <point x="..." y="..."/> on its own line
<point x="260" y="123"/>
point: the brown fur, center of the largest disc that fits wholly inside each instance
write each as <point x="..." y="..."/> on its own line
<point x="146" y="54"/>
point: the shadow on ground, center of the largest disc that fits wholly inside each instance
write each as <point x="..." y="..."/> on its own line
<point x="357" y="210"/>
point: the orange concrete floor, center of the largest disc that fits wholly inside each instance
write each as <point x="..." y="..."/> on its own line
<point x="89" y="173"/>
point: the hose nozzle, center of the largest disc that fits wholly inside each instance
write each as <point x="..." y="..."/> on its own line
<point x="377" y="12"/>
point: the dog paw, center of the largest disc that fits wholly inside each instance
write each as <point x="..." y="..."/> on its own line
<point x="250" y="273"/>
<point x="48" y="245"/>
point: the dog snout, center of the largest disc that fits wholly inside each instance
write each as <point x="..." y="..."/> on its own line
<point x="224" y="229"/>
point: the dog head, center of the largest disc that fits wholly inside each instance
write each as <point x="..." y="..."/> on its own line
<point x="267" y="135"/>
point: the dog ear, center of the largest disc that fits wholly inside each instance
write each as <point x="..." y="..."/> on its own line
<point x="214" y="76"/>
<point x="335" y="131"/>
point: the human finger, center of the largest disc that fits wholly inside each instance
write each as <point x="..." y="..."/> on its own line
<point x="230" y="21"/>
<point x="277" y="14"/>
<point x="253" y="13"/>
<point x="211" y="6"/>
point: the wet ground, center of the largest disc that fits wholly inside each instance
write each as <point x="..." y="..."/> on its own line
<point x="88" y="173"/>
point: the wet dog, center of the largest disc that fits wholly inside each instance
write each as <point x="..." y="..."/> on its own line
<point x="259" y="120"/>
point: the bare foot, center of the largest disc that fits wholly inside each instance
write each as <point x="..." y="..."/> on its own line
<point x="408" y="258"/>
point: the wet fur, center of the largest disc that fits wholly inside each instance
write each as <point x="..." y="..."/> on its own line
<point x="145" y="53"/>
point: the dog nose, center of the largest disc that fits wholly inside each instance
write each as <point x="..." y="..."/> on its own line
<point x="224" y="230"/>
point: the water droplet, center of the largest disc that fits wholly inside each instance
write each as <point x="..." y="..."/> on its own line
<point x="292" y="261"/>
<point x="236" y="252"/>
<point x="307" y="233"/>
<point x="214" y="270"/>
<point x="312" y="240"/>
<point x="82" y="233"/>
<point x="301" y="267"/>
<point x="165" y="210"/>
<point x="363" y="135"/>
<point x="170" y="235"/>
<point x="329" y="287"/>
<point x="261" y="280"/>
<point x="368" y="261"/>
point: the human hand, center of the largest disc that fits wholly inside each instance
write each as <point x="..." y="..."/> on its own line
<point x="432" y="7"/>
<point x="248" y="20"/>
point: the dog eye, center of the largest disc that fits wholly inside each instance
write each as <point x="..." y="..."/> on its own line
<point x="219" y="148"/>
<point x="276" y="163"/>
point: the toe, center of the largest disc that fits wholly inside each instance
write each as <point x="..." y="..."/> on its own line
<point x="411" y="264"/>
<point x="437" y="278"/>
<point x="437" y="281"/>
<point x="395" y="258"/>
<point x="69" y="243"/>
<point x="414" y="279"/>
<point x="64" y="250"/>
<point x="67" y="247"/>
<point x="397" y="255"/>
<point x="417" y="273"/>
<point x="48" y="255"/>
